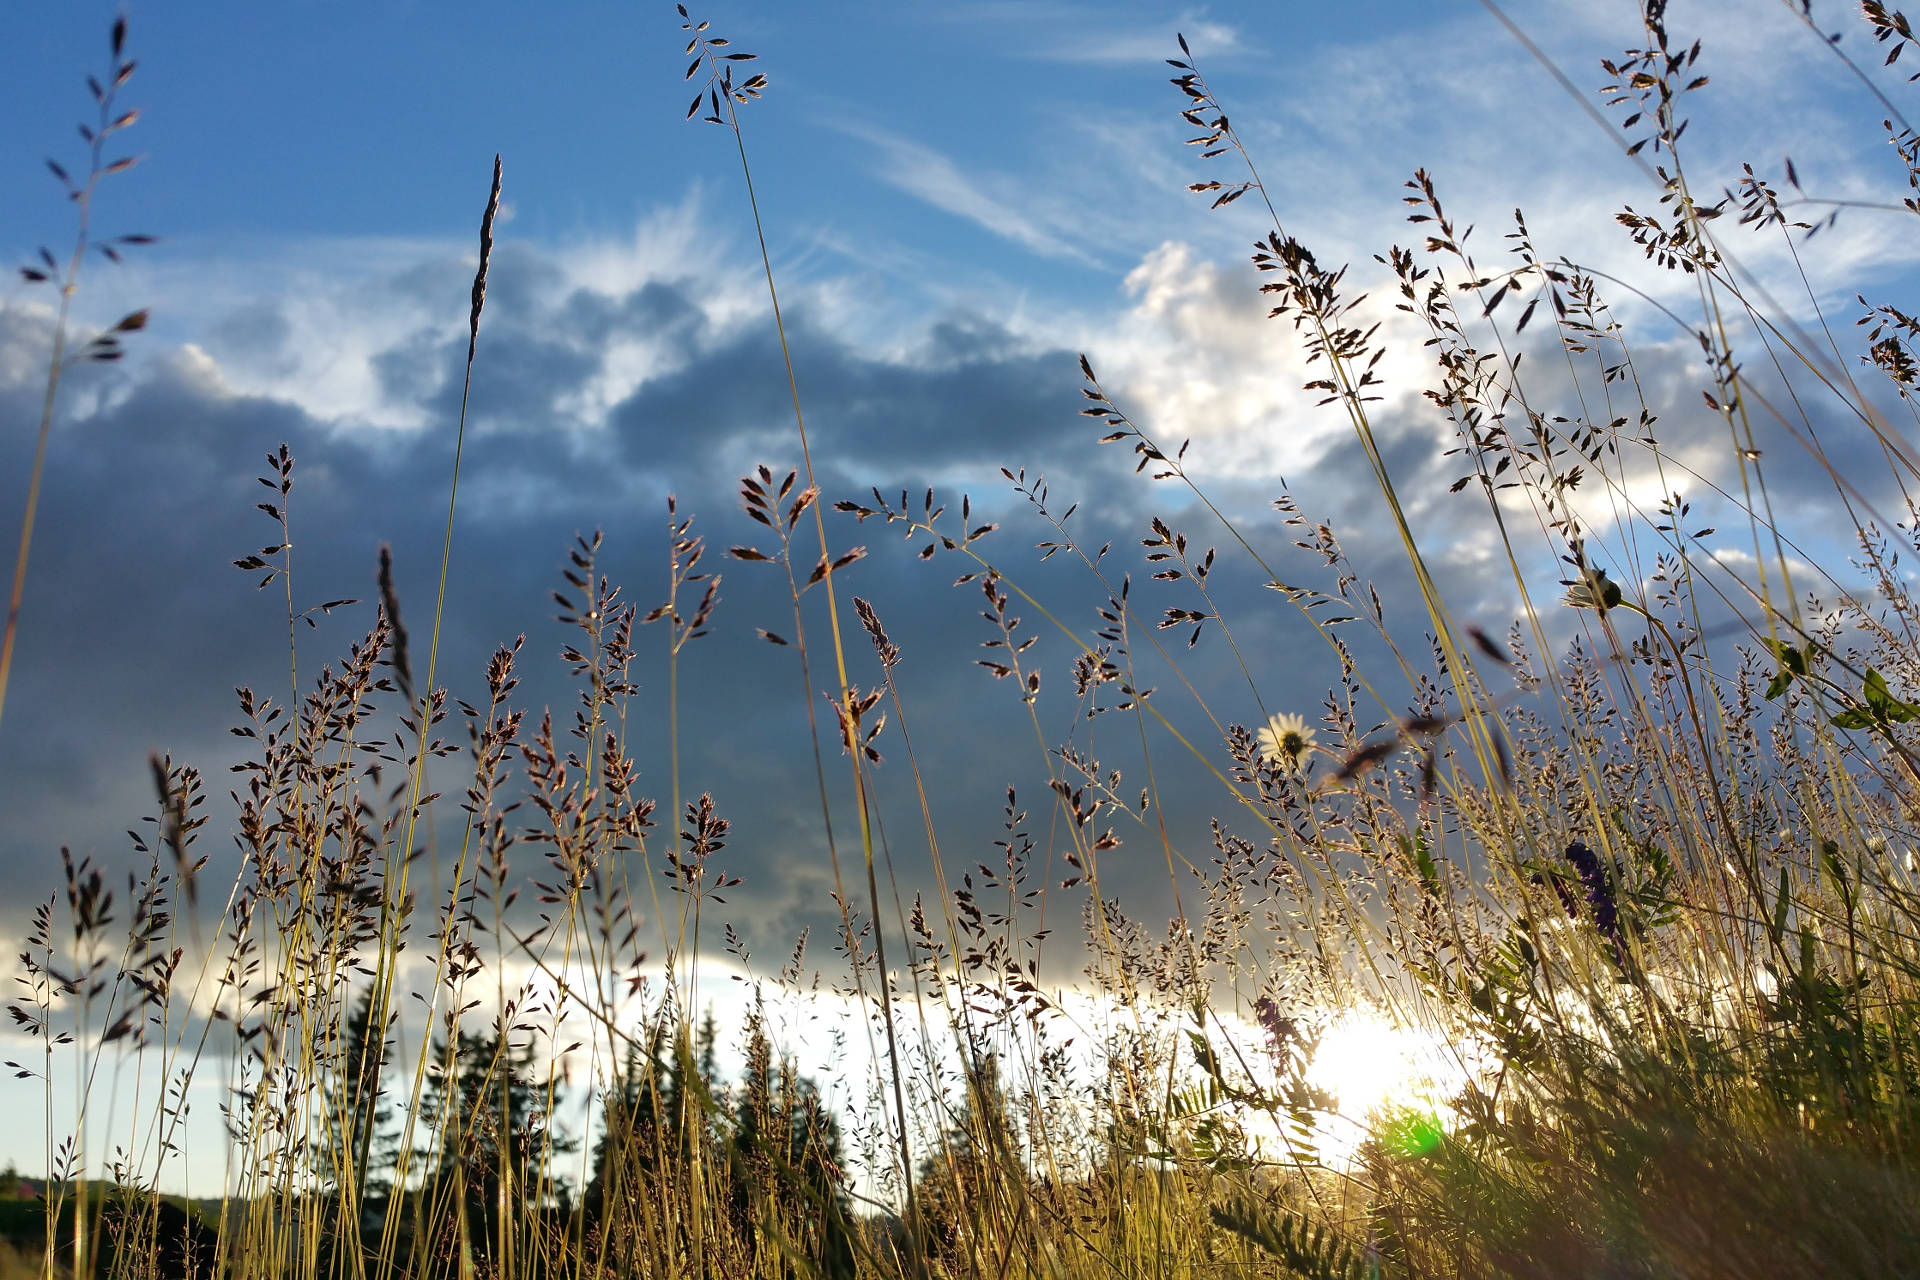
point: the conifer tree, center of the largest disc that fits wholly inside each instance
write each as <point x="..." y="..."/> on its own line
<point x="786" y="1160"/>
<point x="631" y="1130"/>
<point x="356" y="1144"/>
<point x="494" y="1139"/>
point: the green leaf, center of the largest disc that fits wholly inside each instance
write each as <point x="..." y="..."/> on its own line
<point x="1792" y="662"/>
<point x="1788" y="656"/>
<point x="1876" y="693"/>
<point x="1831" y="864"/>
<point x="1419" y="853"/>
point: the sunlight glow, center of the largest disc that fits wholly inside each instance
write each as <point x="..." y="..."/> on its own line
<point x="1384" y="1080"/>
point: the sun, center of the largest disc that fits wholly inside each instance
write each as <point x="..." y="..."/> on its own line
<point x="1379" y="1075"/>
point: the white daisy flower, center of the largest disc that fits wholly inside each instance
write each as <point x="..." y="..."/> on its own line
<point x="1593" y="591"/>
<point x="1286" y="740"/>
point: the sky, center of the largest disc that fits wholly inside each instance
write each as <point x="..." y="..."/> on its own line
<point x="958" y="201"/>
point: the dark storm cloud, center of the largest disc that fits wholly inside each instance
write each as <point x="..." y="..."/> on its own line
<point x="654" y="310"/>
<point x="1788" y="428"/>
<point x="970" y="396"/>
<point x="137" y="628"/>
<point x="259" y="329"/>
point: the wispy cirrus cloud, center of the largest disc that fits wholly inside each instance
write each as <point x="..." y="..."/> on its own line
<point x="1148" y="43"/>
<point x="997" y="202"/>
<point x="1102" y="35"/>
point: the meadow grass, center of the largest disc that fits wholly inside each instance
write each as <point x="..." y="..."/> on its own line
<point x="1634" y="877"/>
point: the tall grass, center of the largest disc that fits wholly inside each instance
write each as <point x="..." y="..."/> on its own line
<point x="48" y="270"/>
<point x="1634" y="879"/>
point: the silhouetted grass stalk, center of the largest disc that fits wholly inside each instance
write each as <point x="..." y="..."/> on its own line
<point x="723" y="95"/>
<point x="110" y="121"/>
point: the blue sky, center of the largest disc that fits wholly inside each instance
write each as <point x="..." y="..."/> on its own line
<point x="959" y="199"/>
<point x="302" y="120"/>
